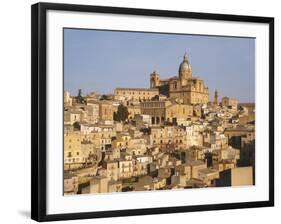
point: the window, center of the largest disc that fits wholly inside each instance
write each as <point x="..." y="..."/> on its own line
<point x="157" y="120"/>
<point x="153" y="120"/>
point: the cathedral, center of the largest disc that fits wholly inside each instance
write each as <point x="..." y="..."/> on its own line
<point x="184" y="87"/>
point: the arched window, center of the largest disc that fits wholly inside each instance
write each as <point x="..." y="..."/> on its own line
<point x="153" y="120"/>
<point x="157" y="120"/>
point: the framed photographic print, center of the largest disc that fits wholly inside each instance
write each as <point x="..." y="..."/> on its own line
<point x="139" y="111"/>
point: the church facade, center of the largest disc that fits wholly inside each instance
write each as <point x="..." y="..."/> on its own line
<point x="184" y="87"/>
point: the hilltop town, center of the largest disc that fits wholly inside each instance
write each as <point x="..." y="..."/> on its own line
<point x="167" y="136"/>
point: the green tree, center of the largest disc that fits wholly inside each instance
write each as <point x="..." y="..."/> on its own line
<point x="121" y="114"/>
<point x="80" y="98"/>
<point x="104" y="97"/>
<point x="76" y="125"/>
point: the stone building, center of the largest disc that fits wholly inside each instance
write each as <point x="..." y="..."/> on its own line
<point x="193" y="135"/>
<point x="168" y="135"/>
<point x="92" y="112"/>
<point x="189" y="89"/>
<point x="70" y="184"/>
<point x="177" y="112"/>
<point x="101" y="136"/>
<point x="239" y="176"/>
<point x="135" y="94"/>
<point x="78" y="151"/>
<point x="166" y="111"/>
<point x="229" y="102"/>
<point x="133" y="110"/>
<point x="195" y="167"/>
<point x="216" y="98"/>
<point x="70" y="117"/>
<point x="142" y="121"/>
<point x="125" y="168"/>
<point x="106" y="110"/>
<point x="156" y="109"/>
<point x="67" y="100"/>
<point x="121" y="141"/>
<point x="208" y="176"/>
<point x="98" y="185"/>
<point x="112" y="169"/>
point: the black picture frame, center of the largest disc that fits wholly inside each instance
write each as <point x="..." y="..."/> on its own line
<point x="38" y="108"/>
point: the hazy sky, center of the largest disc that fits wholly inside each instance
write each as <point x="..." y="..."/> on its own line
<point x="100" y="61"/>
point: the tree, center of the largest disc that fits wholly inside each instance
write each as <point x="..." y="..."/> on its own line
<point x="104" y="97"/>
<point x="76" y="125"/>
<point x="155" y="98"/>
<point x="121" y="114"/>
<point x="80" y="98"/>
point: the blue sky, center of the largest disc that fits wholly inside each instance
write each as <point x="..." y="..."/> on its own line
<point x="100" y="61"/>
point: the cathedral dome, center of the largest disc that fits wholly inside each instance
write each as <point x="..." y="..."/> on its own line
<point x="185" y="68"/>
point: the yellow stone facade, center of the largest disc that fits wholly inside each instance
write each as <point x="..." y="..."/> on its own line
<point x="226" y="102"/>
<point x="168" y="135"/>
<point x="102" y="136"/>
<point x="178" y="112"/>
<point x="78" y="151"/>
<point x="166" y="111"/>
<point x="185" y="87"/>
<point x="133" y="110"/>
<point x="106" y="110"/>
<point x="135" y="94"/>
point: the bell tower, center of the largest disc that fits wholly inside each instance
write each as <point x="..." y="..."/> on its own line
<point x="216" y="98"/>
<point x="154" y="79"/>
